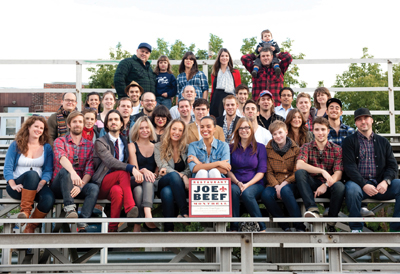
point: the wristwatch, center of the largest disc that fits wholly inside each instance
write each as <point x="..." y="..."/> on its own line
<point x="326" y="183"/>
<point x="388" y="181"/>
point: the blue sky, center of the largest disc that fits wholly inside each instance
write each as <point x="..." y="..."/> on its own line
<point x="86" y="29"/>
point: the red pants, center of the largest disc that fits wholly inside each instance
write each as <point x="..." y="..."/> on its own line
<point x="116" y="187"/>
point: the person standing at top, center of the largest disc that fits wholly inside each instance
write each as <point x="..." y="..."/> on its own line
<point x="267" y="78"/>
<point x="224" y="79"/>
<point x="190" y="75"/>
<point x="166" y="82"/>
<point x="267" y="41"/>
<point x="136" y="68"/>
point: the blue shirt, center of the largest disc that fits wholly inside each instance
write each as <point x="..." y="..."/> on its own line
<point x="344" y="131"/>
<point x="199" y="82"/>
<point x="281" y="111"/>
<point x="166" y="82"/>
<point x="219" y="152"/>
<point x="246" y="165"/>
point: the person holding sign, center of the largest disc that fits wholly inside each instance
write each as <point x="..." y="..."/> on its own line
<point x="282" y="154"/>
<point x="249" y="164"/>
<point x="171" y="155"/>
<point x="209" y="157"/>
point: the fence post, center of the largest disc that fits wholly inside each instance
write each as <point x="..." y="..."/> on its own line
<point x="391" y="98"/>
<point x="247" y="253"/>
<point x="78" y="85"/>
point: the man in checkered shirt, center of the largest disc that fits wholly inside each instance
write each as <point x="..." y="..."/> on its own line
<point x="319" y="170"/>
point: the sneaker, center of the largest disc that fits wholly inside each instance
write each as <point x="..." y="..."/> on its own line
<point x="366" y="213"/>
<point x="254" y="74"/>
<point x="311" y="214"/>
<point x="71" y="214"/>
<point x="356" y="231"/>
<point x="326" y="212"/>
<point x="133" y="213"/>
<point x="277" y="71"/>
<point x="331" y="229"/>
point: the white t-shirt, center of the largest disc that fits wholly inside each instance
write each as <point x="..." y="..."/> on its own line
<point x="262" y="135"/>
<point x="135" y="110"/>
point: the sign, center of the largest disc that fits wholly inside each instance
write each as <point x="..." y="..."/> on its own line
<point x="210" y="197"/>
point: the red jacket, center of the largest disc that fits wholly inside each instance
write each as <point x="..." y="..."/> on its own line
<point x="236" y="79"/>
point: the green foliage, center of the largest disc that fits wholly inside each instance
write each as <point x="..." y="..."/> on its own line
<point x="293" y="73"/>
<point x="215" y="45"/>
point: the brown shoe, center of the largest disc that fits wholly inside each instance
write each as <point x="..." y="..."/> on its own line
<point x="37" y="214"/>
<point x="27" y="198"/>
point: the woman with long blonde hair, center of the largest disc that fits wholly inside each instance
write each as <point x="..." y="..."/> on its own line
<point x="171" y="158"/>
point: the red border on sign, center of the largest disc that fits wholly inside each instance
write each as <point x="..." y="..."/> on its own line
<point x="210" y="216"/>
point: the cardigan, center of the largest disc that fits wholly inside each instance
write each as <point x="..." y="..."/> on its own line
<point x="236" y="79"/>
<point x="170" y="165"/>
<point x="12" y="158"/>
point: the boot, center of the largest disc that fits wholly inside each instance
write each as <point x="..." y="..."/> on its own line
<point x="30" y="228"/>
<point x="27" y="198"/>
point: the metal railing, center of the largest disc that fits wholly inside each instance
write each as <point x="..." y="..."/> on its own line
<point x="205" y="63"/>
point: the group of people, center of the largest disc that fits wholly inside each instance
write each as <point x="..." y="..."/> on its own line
<point x="131" y="149"/>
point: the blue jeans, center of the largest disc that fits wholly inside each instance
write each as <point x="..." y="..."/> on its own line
<point x="307" y="185"/>
<point x="164" y="101"/>
<point x="249" y="198"/>
<point x="175" y="182"/>
<point x="354" y="196"/>
<point x="30" y="180"/>
<point x="62" y="186"/>
<point x="289" y="193"/>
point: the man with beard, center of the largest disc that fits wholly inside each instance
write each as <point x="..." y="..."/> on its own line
<point x="57" y="121"/>
<point x="229" y="120"/>
<point x="267" y="110"/>
<point x="251" y="111"/>
<point x="113" y="173"/>
<point x="286" y="94"/>
<point x="134" y="91"/>
<point x="73" y="170"/>
<point x="136" y="68"/>
<point x="148" y="101"/>
<point x="185" y="110"/>
<point x="188" y="93"/>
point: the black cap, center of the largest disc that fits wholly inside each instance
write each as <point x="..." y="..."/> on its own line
<point x="361" y="112"/>
<point x="145" y="45"/>
<point x="333" y="100"/>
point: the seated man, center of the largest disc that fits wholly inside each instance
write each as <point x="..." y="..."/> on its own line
<point x="371" y="167"/>
<point x="303" y="103"/>
<point x="73" y="169"/>
<point x="242" y="94"/>
<point x="286" y="94"/>
<point x="134" y="91"/>
<point x="185" y="111"/>
<point x="201" y="108"/>
<point x="337" y="130"/>
<point x="148" y="101"/>
<point x="112" y="170"/>
<point x="267" y="110"/>
<point x="251" y="111"/>
<point x="319" y="170"/>
<point x="188" y="93"/>
<point x="229" y="120"/>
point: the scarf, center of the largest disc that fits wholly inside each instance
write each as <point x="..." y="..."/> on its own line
<point x="286" y="147"/>
<point x="88" y="133"/>
<point x="61" y="121"/>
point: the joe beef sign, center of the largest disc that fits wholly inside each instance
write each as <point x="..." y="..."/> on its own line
<point x="210" y="198"/>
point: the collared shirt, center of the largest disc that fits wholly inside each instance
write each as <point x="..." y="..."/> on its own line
<point x="225" y="81"/>
<point x="329" y="159"/>
<point x="366" y="164"/>
<point x="64" y="146"/>
<point x="343" y="132"/>
<point x="228" y="131"/>
<point x="245" y="164"/>
<point x="219" y="152"/>
<point x="280" y="110"/>
<point x="120" y="145"/>
<point x="199" y="82"/>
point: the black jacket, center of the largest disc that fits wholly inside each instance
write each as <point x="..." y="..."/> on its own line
<point x="266" y="123"/>
<point x="220" y="122"/>
<point x="386" y="165"/>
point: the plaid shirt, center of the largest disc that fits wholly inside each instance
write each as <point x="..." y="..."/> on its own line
<point x="329" y="159"/>
<point x="133" y="69"/>
<point x="199" y="82"/>
<point x="64" y="146"/>
<point x="366" y="165"/>
<point x="344" y="131"/>
<point x="309" y="122"/>
<point x="267" y="79"/>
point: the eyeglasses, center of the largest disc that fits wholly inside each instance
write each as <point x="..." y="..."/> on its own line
<point x="70" y="101"/>
<point x="160" y="118"/>
<point x="149" y="101"/>
<point x="244" y="128"/>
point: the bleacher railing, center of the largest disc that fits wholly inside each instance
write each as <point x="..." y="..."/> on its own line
<point x="205" y="63"/>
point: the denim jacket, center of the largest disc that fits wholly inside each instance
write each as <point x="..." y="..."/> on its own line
<point x="219" y="152"/>
<point x="12" y="158"/>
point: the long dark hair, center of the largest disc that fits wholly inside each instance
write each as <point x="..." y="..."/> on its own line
<point x="106" y="119"/>
<point x="195" y="68"/>
<point x="303" y="128"/>
<point x="217" y="64"/>
<point x="236" y="138"/>
<point x="22" y="136"/>
<point x="87" y="99"/>
<point x="157" y="68"/>
<point x="160" y="111"/>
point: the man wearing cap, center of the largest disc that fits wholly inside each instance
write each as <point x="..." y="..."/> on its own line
<point x="371" y="167"/>
<point x="134" y="91"/>
<point x="286" y="94"/>
<point x="267" y="110"/>
<point x="136" y="68"/>
<point x="337" y="130"/>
